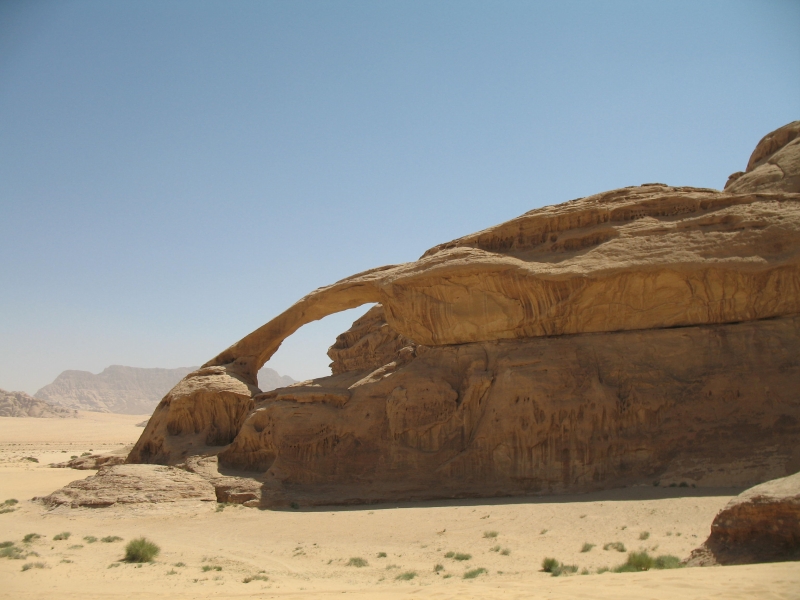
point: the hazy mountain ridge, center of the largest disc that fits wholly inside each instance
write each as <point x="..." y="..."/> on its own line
<point x="20" y="404"/>
<point x="127" y="390"/>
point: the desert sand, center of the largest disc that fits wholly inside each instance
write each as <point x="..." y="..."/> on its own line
<point x="304" y="553"/>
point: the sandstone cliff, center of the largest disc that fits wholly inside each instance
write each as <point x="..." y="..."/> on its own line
<point x="20" y="404"/>
<point x="647" y="333"/>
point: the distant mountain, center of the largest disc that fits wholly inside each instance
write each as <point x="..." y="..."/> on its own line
<point x="118" y="389"/>
<point x="20" y="404"/>
<point x="128" y="390"/>
<point x="270" y="379"/>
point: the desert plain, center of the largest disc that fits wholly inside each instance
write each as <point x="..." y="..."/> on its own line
<point x="209" y="550"/>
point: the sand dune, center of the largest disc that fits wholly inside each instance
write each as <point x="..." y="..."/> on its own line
<point x="304" y="553"/>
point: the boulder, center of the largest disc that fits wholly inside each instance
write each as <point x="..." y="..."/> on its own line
<point x="646" y="333"/>
<point x="132" y="484"/>
<point x="761" y="524"/>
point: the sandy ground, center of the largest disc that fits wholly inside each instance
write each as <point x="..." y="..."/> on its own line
<point x="305" y="553"/>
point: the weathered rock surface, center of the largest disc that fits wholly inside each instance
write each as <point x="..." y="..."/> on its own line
<point x="20" y="404"/>
<point x="644" y="333"/>
<point x="132" y="484"/>
<point x="762" y="524"/>
<point x="91" y="462"/>
<point x="118" y="389"/>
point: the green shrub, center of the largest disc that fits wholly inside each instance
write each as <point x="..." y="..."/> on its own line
<point x="461" y="556"/>
<point x="357" y="561"/>
<point x="644" y="535"/>
<point x="64" y="535"/>
<point x="179" y="564"/>
<point x="381" y="554"/>
<point x="30" y="537"/>
<point x="505" y="552"/>
<point x="495" y="549"/>
<point x="490" y="534"/>
<point x="11" y="502"/>
<point x="207" y="568"/>
<point x="255" y="578"/>
<point x="562" y="569"/>
<point x="35" y="565"/>
<point x="587" y="547"/>
<point x="111" y="538"/>
<point x="12" y="552"/>
<point x="602" y="570"/>
<point x="90" y="539"/>
<point x="618" y="546"/>
<point x="637" y="561"/>
<point x="667" y="561"/>
<point x="548" y="564"/>
<point x="141" y="550"/>
<point x="408" y="575"/>
<point x="76" y="547"/>
<point x="6" y="544"/>
<point x="438" y="568"/>
<point x="472" y="574"/>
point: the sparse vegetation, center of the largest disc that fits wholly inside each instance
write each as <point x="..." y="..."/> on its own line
<point x="561" y="569"/>
<point x="255" y="578"/>
<point x="543" y="531"/>
<point x="381" y="554"/>
<point x="618" y="546"/>
<point x="408" y="575"/>
<point x="644" y="535"/>
<point x="12" y="552"/>
<point x="390" y="567"/>
<point x="8" y="506"/>
<point x="86" y="453"/>
<point x="179" y="564"/>
<point x="30" y="459"/>
<point x="30" y="537"/>
<point x="207" y="568"/>
<point x="357" y="561"/>
<point x="548" y="564"/>
<point x="112" y="565"/>
<point x="505" y="551"/>
<point x="490" y="534"/>
<point x="642" y="561"/>
<point x="76" y="547"/>
<point x="172" y="572"/>
<point x="34" y="565"/>
<point x="459" y="556"/>
<point x="64" y="535"/>
<point x="141" y="550"/>
<point x="602" y="570"/>
<point x="495" y="549"/>
<point x="587" y="547"/>
<point x="111" y="538"/>
<point x="438" y="567"/>
<point x="473" y="573"/>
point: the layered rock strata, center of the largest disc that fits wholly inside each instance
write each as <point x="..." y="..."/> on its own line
<point x="641" y="333"/>
<point x="20" y="404"/>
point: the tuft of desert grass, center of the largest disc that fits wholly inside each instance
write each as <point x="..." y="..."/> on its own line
<point x="618" y="546"/>
<point x="473" y="573"/>
<point x="207" y="568"/>
<point x="644" y="535"/>
<point x="587" y="547"/>
<point x="12" y="552"/>
<point x="490" y="534"/>
<point x="458" y="555"/>
<point x="90" y="539"/>
<point x="111" y="538"/>
<point x="34" y="565"/>
<point x="381" y="554"/>
<point x="141" y="550"/>
<point x="64" y="535"/>
<point x="357" y="561"/>
<point x="438" y="567"/>
<point x="408" y="575"/>
<point x="255" y="578"/>
<point x="642" y="561"/>
<point x="548" y="564"/>
<point x="505" y="551"/>
<point x="562" y="569"/>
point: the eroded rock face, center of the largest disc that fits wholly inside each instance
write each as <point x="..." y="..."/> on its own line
<point x="762" y="524"/>
<point x="132" y="484"/>
<point x="643" y="333"/>
<point x="20" y="404"/>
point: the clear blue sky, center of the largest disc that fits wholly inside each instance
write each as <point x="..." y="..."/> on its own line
<point x="175" y="174"/>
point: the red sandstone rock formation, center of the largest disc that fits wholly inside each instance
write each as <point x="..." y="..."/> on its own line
<point x="762" y="524"/>
<point x="650" y="332"/>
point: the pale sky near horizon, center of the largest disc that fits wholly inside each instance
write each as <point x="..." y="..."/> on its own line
<point x="173" y="174"/>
